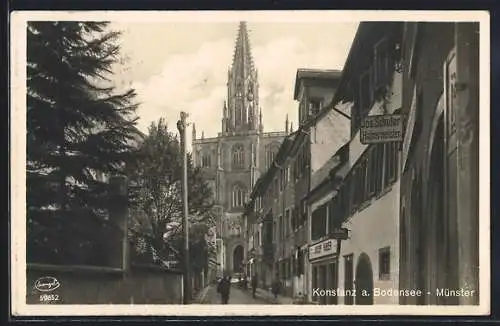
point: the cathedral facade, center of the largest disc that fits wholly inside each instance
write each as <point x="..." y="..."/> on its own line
<point x="242" y="151"/>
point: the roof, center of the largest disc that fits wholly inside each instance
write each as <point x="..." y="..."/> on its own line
<point x="303" y="73"/>
<point x="331" y="169"/>
<point x="365" y="38"/>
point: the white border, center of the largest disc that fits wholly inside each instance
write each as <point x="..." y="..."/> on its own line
<point x="18" y="159"/>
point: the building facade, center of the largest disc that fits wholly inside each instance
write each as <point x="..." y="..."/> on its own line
<point x="366" y="203"/>
<point x="242" y="151"/>
<point x="440" y="159"/>
<point x="410" y="206"/>
<point x="278" y="207"/>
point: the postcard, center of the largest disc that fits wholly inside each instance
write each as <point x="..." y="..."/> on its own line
<point x="219" y="163"/>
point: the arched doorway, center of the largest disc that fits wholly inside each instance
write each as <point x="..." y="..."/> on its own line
<point x="364" y="281"/>
<point x="238" y="257"/>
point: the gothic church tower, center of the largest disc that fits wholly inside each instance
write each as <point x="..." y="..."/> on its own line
<point x="241" y="152"/>
<point x="242" y="111"/>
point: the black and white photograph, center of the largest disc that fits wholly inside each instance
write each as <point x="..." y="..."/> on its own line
<point x="221" y="163"/>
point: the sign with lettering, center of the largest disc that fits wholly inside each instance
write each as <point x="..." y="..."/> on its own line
<point x="323" y="248"/>
<point x="381" y="129"/>
<point x="340" y="234"/>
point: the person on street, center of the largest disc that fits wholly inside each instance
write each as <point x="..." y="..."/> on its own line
<point x="224" y="289"/>
<point x="254" y="285"/>
<point x="276" y="287"/>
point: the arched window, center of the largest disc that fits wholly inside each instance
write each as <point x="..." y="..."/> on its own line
<point x="270" y="154"/>
<point x="206" y="161"/>
<point x="238" y="157"/>
<point x="238" y="195"/>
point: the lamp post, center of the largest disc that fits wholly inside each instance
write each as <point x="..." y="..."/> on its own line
<point x="182" y="126"/>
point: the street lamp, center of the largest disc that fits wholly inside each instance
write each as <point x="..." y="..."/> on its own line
<point x="181" y="126"/>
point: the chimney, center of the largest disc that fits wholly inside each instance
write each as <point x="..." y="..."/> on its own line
<point x="194" y="132"/>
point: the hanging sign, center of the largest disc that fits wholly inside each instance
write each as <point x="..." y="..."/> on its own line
<point x="323" y="248"/>
<point x="381" y="129"/>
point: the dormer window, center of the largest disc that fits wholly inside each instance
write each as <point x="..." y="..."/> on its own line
<point x="314" y="107"/>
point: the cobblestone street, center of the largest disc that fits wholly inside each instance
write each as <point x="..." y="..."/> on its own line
<point x="237" y="296"/>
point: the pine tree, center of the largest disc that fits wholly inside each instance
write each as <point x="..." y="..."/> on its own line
<point x="78" y="130"/>
<point x="156" y="196"/>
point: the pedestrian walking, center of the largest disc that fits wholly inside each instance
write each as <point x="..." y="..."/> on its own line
<point x="254" y="285"/>
<point x="276" y="287"/>
<point x="224" y="289"/>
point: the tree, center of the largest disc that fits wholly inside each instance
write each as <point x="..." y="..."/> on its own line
<point x="79" y="129"/>
<point x="156" y="197"/>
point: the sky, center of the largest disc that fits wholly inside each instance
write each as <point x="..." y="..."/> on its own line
<point x="176" y="66"/>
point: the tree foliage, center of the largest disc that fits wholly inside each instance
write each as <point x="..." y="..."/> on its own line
<point x="156" y="198"/>
<point x="79" y="128"/>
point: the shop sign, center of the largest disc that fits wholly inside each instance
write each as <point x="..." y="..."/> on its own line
<point x="381" y="129"/>
<point x="340" y="234"/>
<point x="323" y="248"/>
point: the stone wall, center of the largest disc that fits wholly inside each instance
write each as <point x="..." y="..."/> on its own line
<point x="95" y="285"/>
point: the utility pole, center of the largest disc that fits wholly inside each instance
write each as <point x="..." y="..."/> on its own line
<point x="182" y="126"/>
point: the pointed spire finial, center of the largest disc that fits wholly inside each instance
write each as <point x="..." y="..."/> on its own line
<point x="291" y="127"/>
<point x="242" y="58"/>
<point x="194" y="131"/>
<point x="286" y="125"/>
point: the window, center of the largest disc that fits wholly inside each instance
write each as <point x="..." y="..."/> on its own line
<point x="381" y="64"/>
<point x="384" y="264"/>
<point x="238" y="157"/>
<point x="303" y="213"/>
<point x="238" y="195"/>
<point x="281" y="229"/>
<point x="270" y="155"/>
<point x="391" y="157"/>
<point x="365" y="94"/>
<point x="375" y="169"/>
<point x="314" y="107"/>
<point x="318" y="221"/>
<point x="206" y="161"/>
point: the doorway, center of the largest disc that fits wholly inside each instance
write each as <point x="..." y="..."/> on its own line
<point x="364" y="281"/>
<point x="238" y="257"/>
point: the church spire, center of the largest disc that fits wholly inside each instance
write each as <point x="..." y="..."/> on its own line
<point x="242" y="58"/>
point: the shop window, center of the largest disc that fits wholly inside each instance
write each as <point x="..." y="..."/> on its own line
<point x="315" y="282"/>
<point x="384" y="261"/>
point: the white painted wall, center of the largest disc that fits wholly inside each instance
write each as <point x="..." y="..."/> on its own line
<point x="327" y="136"/>
<point x="375" y="227"/>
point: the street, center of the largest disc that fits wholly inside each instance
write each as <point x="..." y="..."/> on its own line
<point x="237" y="296"/>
